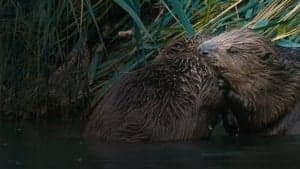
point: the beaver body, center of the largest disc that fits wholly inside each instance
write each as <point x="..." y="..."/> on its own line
<point x="263" y="82"/>
<point x="175" y="97"/>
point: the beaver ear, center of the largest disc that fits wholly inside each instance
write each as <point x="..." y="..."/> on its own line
<point x="232" y="50"/>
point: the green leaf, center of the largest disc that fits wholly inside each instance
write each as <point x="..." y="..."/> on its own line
<point x="123" y="4"/>
<point x="262" y="23"/>
<point x="249" y="13"/>
<point x="93" y="68"/>
<point x="176" y="10"/>
<point x="137" y="32"/>
<point x="288" y="43"/>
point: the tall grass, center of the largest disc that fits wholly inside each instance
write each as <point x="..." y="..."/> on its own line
<point x="38" y="39"/>
<point x="277" y="20"/>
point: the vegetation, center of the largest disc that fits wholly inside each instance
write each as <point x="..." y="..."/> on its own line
<point x="57" y="55"/>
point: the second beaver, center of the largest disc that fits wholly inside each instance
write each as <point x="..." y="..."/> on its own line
<point x="175" y="97"/>
<point x="264" y="82"/>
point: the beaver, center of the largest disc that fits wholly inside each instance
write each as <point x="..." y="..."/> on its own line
<point x="263" y="81"/>
<point x="174" y="97"/>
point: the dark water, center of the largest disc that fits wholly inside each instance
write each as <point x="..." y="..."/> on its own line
<point x="54" y="146"/>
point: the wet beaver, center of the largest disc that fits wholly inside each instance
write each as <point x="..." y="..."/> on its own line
<point x="263" y="81"/>
<point x="175" y="97"/>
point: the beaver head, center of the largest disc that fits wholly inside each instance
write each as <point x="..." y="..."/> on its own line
<point x="185" y="47"/>
<point x="265" y="82"/>
<point x="240" y="55"/>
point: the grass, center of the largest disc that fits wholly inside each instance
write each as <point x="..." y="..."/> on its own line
<point x="38" y="38"/>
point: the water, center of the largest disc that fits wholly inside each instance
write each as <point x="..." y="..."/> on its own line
<point x="56" y="146"/>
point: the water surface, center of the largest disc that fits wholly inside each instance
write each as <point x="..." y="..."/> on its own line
<point x="57" y="146"/>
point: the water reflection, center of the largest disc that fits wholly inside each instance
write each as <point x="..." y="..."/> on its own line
<point x="54" y="146"/>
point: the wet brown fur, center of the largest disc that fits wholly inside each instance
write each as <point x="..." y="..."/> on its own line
<point x="264" y="81"/>
<point x="175" y="97"/>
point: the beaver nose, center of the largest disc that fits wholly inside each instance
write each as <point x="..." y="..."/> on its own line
<point x="206" y="48"/>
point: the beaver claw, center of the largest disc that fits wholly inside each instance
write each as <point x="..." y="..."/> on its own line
<point x="223" y="85"/>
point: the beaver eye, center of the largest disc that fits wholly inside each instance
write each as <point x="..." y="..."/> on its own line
<point x="178" y="47"/>
<point x="266" y="56"/>
<point x="233" y="50"/>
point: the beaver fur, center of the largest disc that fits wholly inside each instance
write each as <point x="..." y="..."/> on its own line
<point x="263" y="81"/>
<point x="175" y="97"/>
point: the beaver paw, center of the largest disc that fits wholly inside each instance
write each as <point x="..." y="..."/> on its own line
<point x="233" y="95"/>
<point x="230" y="123"/>
<point x="236" y="99"/>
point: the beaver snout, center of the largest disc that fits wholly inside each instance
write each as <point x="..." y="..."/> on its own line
<point x="206" y="48"/>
